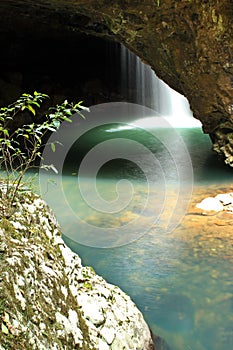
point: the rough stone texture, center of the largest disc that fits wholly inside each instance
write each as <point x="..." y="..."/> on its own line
<point x="48" y="300"/>
<point x="188" y="43"/>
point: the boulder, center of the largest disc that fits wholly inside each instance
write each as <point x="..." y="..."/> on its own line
<point x="48" y="300"/>
<point x="222" y="201"/>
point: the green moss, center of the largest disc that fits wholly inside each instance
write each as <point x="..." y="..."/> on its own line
<point x="37" y="308"/>
<point x="218" y="20"/>
<point x="6" y="225"/>
<point x="87" y="285"/>
<point x="86" y="339"/>
<point x="2" y="305"/>
<point x="10" y="340"/>
<point x="214" y="16"/>
<point x="220" y="24"/>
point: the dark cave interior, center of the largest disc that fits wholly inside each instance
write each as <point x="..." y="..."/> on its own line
<point x="77" y="68"/>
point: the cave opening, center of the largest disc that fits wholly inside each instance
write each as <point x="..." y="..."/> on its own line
<point x="86" y="69"/>
<point x="96" y="70"/>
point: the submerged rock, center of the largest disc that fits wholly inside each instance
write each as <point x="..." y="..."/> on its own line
<point x="48" y="300"/>
<point x="160" y="343"/>
<point x="175" y="313"/>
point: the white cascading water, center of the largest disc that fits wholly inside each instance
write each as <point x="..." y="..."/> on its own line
<point x="139" y="84"/>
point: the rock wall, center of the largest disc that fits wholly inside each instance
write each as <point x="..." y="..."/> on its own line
<point x="188" y="43"/>
<point x="48" y="300"/>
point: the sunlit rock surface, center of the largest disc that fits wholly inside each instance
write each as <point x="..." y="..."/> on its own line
<point x="48" y="300"/>
<point x="189" y="44"/>
<point x="221" y="202"/>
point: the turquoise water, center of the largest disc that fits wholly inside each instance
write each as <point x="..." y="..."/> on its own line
<point x="184" y="291"/>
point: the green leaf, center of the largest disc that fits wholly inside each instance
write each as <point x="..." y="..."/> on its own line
<point x="4" y="329"/>
<point x="83" y="108"/>
<point x="36" y="104"/>
<point x="56" y="123"/>
<point x="78" y="104"/>
<point x="53" y="168"/>
<point x="5" y="132"/>
<point x="51" y="128"/>
<point x="31" y="109"/>
<point x="67" y="119"/>
<point x="53" y="147"/>
<point x="6" y="317"/>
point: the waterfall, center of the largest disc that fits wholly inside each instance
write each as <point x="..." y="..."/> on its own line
<point x="139" y="84"/>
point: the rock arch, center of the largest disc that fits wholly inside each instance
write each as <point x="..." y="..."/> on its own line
<point x="188" y="44"/>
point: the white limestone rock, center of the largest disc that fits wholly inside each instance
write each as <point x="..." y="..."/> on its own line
<point x="108" y="334"/>
<point x="222" y="201"/>
<point x="209" y="204"/>
<point x="53" y="302"/>
<point x="225" y="198"/>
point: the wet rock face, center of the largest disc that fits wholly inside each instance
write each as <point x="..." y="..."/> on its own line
<point x="188" y="43"/>
<point x="49" y="300"/>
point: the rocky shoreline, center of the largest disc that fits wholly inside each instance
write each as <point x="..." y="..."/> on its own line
<point x="49" y="300"/>
<point x="209" y="231"/>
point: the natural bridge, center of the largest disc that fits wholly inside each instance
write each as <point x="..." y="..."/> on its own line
<point x="187" y="43"/>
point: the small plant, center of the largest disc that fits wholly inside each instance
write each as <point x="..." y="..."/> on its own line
<point x="21" y="146"/>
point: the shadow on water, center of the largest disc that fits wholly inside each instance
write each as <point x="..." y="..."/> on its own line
<point x="159" y="343"/>
<point x="180" y="311"/>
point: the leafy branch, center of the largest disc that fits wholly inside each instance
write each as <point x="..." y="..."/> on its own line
<point x="21" y="146"/>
